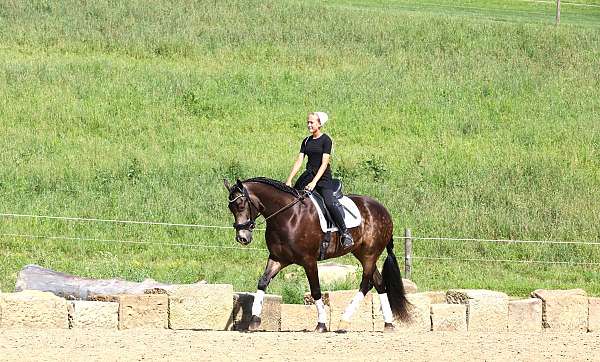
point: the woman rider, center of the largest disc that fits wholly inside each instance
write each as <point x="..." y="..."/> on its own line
<point x="317" y="176"/>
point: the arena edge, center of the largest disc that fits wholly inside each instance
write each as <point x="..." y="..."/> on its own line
<point x="217" y="307"/>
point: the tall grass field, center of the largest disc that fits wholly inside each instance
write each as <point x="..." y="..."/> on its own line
<point x="467" y="119"/>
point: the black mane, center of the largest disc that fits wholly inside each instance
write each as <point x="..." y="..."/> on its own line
<point x="276" y="184"/>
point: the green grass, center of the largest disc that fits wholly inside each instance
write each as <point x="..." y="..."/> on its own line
<point x="584" y="13"/>
<point x="470" y="119"/>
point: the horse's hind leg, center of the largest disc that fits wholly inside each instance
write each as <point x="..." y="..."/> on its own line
<point x="273" y="267"/>
<point x="312" y="273"/>
<point x="365" y="285"/>
<point x="386" y="310"/>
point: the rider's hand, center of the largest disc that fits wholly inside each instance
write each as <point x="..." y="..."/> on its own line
<point x="311" y="186"/>
<point x="289" y="183"/>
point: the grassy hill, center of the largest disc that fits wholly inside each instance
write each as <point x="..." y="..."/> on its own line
<point x="475" y="119"/>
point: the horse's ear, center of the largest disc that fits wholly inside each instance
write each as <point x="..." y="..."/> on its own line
<point x="239" y="183"/>
<point x="226" y="184"/>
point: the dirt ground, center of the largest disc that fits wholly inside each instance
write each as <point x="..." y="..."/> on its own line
<point x="20" y="345"/>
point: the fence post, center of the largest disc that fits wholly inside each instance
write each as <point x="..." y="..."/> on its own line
<point x="557" y="12"/>
<point x="407" y="254"/>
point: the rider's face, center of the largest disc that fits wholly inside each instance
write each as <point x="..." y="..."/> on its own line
<point x="312" y="123"/>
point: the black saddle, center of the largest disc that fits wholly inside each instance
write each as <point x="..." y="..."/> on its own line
<point x="337" y="194"/>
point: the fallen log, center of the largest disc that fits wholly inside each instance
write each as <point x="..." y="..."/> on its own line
<point x="34" y="277"/>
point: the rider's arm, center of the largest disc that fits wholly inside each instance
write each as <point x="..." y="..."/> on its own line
<point x="321" y="171"/>
<point x="295" y="168"/>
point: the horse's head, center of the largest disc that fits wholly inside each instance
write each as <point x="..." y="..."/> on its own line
<point x="244" y="211"/>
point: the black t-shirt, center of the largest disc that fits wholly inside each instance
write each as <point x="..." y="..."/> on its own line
<point x="314" y="150"/>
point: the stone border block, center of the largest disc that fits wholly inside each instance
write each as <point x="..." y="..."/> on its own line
<point x="201" y="307"/>
<point x="242" y="312"/>
<point x="33" y="309"/>
<point x="298" y="317"/>
<point x="564" y="310"/>
<point x="525" y="315"/>
<point x="487" y="310"/>
<point x="449" y="317"/>
<point x="91" y="314"/>
<point x="140" y="311"/>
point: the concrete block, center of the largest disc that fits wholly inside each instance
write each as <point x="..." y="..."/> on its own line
<point x="91" y="314"/>
<point x="140" y="311"/>
<point x="487" y="311"/>
<point x="525" y="315"/>
<point x="33" y="309"/>
<point x="298" y="317"/>
<point x="449" y="317"/>
<point x="201" y="306"/>
<point x="242" y="312"/>
<point x="593" y="314"/>
<point x="564" y="310"/>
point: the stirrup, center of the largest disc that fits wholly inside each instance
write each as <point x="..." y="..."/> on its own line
<point x="346" y="240"/>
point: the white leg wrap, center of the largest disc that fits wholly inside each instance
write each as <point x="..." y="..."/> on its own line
<point x="386" y="310"/>
<point x="322" y="315"/>
<point x="258" y="303"/>
<point x="353" y="306"/>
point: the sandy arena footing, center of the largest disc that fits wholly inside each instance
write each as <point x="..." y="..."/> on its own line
<point x="139" y="344"/>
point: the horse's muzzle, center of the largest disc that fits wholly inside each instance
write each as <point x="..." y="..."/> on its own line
<point x="243" y="239"/>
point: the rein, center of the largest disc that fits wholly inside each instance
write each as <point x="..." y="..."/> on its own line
<point x="251" y="224"/>
<point x="284" y="208"/>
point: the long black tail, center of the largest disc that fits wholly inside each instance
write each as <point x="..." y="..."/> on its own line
<point x="393" y="284"/>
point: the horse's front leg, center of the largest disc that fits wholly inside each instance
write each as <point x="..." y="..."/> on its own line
<point x="312" y="273"/>
<point x="273" y="267"/>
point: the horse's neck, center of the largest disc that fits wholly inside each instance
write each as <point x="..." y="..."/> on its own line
<point x="270" y="198"/>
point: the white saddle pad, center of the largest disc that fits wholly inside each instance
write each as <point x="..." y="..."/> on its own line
<point x="352" y="216"/>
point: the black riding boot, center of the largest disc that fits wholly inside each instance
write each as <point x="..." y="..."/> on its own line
<point x="345" y="236"/>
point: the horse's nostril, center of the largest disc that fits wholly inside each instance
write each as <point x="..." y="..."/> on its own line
<point x="241" y="240"/>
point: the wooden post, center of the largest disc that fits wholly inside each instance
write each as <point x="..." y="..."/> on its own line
<point x="557" y="12"/>
<point x="407" y="254"/>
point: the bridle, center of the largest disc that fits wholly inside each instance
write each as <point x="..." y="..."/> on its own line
<point x="250" y="224"/>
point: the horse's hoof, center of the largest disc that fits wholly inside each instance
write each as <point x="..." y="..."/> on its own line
<point x="343" y="327"/>
<point x="389" y="327"/>
<point x="321" y="328"/>
<point x="254" y="324"/>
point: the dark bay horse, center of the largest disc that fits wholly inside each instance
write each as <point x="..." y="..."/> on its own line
<point x="293" y="236"/>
